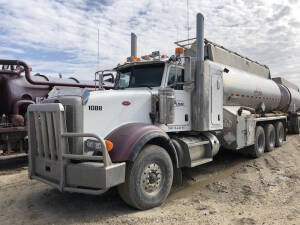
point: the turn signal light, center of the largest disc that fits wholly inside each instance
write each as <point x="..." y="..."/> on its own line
<point x="109" y="145"/>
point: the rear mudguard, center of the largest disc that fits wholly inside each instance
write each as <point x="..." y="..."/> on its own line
<point x="130" y="139"/>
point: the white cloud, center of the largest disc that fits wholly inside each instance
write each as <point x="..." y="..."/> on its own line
<point x="267" y="31"/>
<point x="11" y="50"/>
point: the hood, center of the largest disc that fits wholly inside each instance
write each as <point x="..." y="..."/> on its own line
<point x="108" y="110"/>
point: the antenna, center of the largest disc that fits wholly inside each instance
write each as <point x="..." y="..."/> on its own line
<point x="98" y="56"/>
<point x="188" y="21"/>
<point x="177" y="32"/>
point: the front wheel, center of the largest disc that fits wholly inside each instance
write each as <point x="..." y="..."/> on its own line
<point x="148" y="179"/>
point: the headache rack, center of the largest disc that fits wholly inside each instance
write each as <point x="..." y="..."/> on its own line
<point x="220" y="54"/>
<point x="51" y="160"/>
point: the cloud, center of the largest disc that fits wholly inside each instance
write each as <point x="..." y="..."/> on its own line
<point x="11" y="50"/>
<point x="61" y="36"/>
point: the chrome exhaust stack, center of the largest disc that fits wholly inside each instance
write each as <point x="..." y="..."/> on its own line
<point x="199" y="97"/>
<point x="133" y="45"/>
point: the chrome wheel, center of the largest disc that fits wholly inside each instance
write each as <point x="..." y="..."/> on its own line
<point x="151" y="178"/>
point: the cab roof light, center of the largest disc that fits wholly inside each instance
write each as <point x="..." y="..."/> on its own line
<point x="179" y="51"/>
<point x="146" y="57"/>
<point x="136" y="59"/>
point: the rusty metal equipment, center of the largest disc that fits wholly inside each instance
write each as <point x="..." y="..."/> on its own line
<point x="19" y="89"/>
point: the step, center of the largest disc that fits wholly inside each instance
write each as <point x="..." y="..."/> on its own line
<point x="201" y="161"/>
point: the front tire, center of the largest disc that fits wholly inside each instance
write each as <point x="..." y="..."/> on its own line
<point x="148" y="179"/>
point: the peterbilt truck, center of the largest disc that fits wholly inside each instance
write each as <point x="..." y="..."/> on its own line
<point x="163" y="114"/>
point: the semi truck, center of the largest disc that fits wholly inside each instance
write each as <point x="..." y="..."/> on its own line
<point x="163" y="114"/>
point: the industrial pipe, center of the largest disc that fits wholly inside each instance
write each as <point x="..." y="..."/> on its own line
<point x="18" y="104"/>
<point x="28" y="77"/>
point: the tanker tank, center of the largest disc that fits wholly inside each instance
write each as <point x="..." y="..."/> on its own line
<point x="245" y="89"/>
<point x="249" y="83"/>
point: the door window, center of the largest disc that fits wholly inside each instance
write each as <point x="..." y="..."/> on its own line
<point x="176" y="78"/>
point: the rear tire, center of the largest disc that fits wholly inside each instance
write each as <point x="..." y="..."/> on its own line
<point x="260" y="142"/>
<point x="148" y="179"/>
<point x="279" y="134"/>
<point x="270" y="135"/>
<point x="298" y="125"/>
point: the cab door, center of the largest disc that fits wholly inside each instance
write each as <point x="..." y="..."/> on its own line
<point x="182" y="103"/>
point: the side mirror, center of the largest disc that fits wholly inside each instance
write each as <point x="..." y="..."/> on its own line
<point x="111" y="79"/>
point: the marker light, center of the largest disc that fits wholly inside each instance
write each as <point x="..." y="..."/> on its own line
<point x="136" y="59"/>
<point x="109" y="145"/>
<point x="146" y="57"/>
<point x="179" y="51"/>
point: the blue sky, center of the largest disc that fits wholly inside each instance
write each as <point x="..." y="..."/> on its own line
<point x="61" y="36"/>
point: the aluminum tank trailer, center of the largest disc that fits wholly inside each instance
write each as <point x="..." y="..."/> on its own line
<point x="17" y="91"/>
<point x="163" y="114"/>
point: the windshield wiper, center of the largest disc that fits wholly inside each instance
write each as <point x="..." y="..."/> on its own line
<point x="143" y="85"/>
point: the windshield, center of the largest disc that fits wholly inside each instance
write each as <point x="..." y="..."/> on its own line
<point x="149" y="75"/>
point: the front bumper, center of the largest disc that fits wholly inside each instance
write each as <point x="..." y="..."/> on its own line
<point x="83" y="177"/>
<point x="51" y="162"/>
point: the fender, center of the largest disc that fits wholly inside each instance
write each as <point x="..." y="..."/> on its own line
<point x="130" y="139"/>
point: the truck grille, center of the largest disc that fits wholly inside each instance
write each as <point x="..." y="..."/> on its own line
<point x="73" y="115"/>
<point x="46" y="123"/>
<point x="70" y="122"/>
<point x="50" y="160"/>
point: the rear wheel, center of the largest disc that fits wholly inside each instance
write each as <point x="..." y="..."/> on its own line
<point x="270" y="137"/>
<point x="148" y="179"/>
<point x="279" y="134"/>
<point x="260" y="142"/>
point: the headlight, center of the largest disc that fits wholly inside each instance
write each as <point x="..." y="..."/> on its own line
<point x="95" y="146"/>
<point x="92" y="146"/>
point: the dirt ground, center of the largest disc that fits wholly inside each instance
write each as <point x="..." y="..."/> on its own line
<point x="231" y="190"/>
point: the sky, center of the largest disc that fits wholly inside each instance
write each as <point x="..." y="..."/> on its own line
<point x="61" y="36"/>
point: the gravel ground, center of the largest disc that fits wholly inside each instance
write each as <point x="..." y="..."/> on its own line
<point x="231" y="190"/>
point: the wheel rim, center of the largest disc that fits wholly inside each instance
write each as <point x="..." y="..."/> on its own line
<point x="151" y="178"/>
